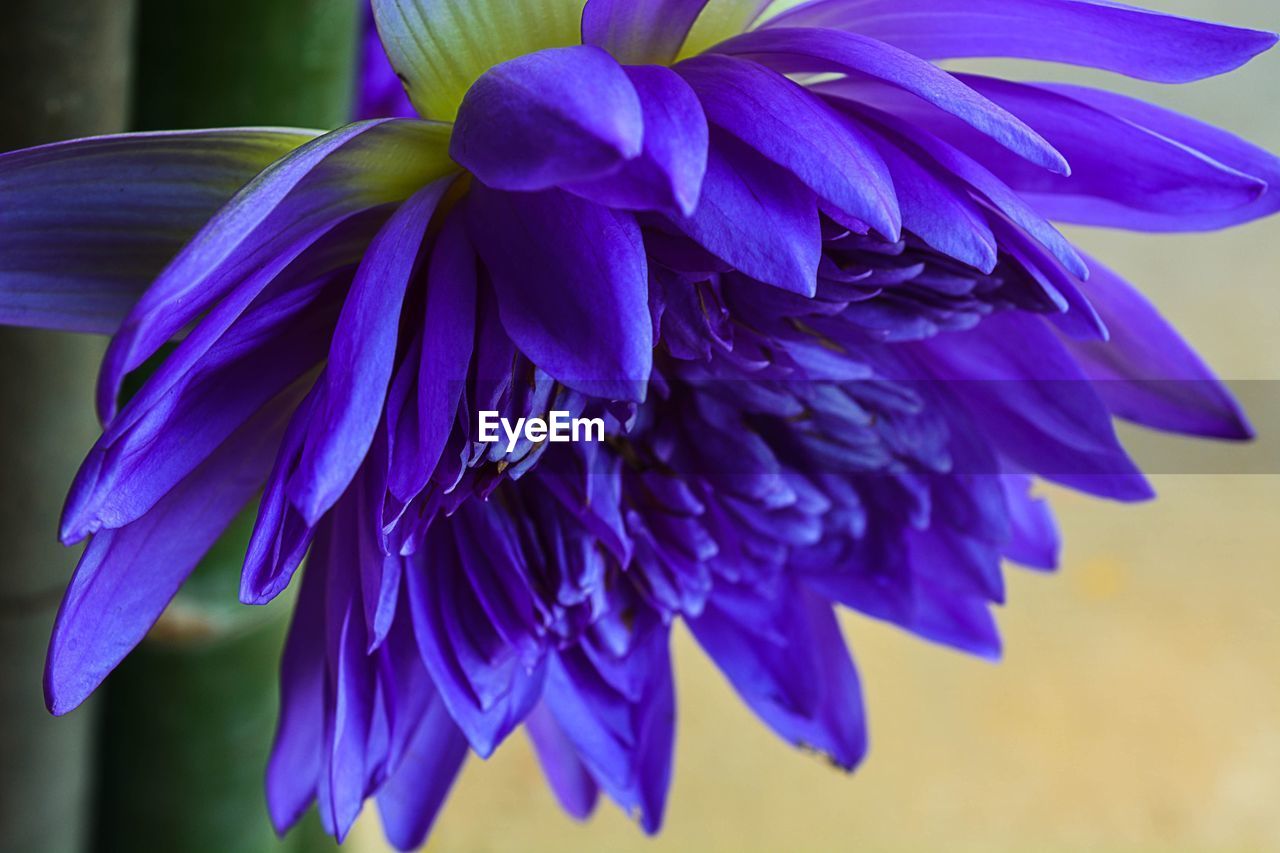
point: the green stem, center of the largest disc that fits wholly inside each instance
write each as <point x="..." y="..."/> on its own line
<point x="189" y="716"/>
<point x="222" y="63"/>
<point x="64" y="72"/>
<point x="188" y="719"/>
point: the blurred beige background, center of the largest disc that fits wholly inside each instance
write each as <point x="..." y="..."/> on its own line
<point x="1138" y="707"/>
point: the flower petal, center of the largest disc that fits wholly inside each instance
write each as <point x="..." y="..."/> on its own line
<point x="293" y="770"/>
<point x="799" y="132"/>
<point x="757" y="217"/>
<point x="1118" y="167"/>
<point x="947" y="159"/>
<point x="358" y="168"/>
<point x="482" y="681"/>
<point x="381" y="94"/>
<point x="1094" y="33"/>
<point x="1147" y="373"/>
<point x="441" y="47"/>
<point x="824" y="51"/>
<point x="127" y="577"/>
<point x="1034" y="541"/>
<point x="640" y="33"/>
<point x="568" y="777"/>
<point x="532" y="123"/>
<point x="784" y="654"/>
<point x="623" y="733"/>
<point x="667" y="176"/>
<point x="1202" y="140"/>
<point x="1026" y="392"/>
<point x="274" y="346"/>
<point x="448" y="336"/>
<point x="572" y="284"/>
<point x="86" y="225"/>
<point x="362" y="358"/>
<point x="412" y="796"/>
<point x="280" y="537"/>
<point x="937" y="208"/>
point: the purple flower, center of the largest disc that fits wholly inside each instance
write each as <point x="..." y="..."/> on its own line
<point x="805" y="277"/>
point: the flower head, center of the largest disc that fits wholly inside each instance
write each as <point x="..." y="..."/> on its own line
<point x="807" y="277"/>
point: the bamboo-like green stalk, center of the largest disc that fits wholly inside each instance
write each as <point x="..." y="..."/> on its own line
<point x="64" y="72"/>
<point x="222" y="63"/>
<point x="188" y="717"/>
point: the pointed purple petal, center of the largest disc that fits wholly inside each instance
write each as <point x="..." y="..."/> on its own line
<point x="411" y="798"/>
<point x="799" y="132"/>
<point x="276" y="343"/>
<point x="1041" y="411"/>
<point x="573" y="786"/>
<point x="281" y="536"/>
<point x="1119" y="169"/>
<point x="937" y="208"/>
<point x="1204" y="140"/>
<point x="294" y="767"/>
<point x="1147" y="373"/>
<point x="947" y="159"/>
<point x="784" y="654"/>
<point x="448" y="336"/>
<point x="572" y="284"/>
<point x="625" y="738"/>
<point x="127" y="577"/>
<point x="1095" y="33"/>
<point x="825" y="51"/>
<point x="758" y="218"/>
<point x="1035" y="541"/>
<point x="361" y="358"/>
<point x="486" y="688"/>
<point x="568" y="114"/>
<point x="667" y="176"/>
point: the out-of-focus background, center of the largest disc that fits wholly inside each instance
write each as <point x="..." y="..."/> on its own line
<point x="1138" y="705"/>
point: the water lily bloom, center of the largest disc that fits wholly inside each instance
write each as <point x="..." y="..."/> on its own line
<point x="807" y="278"/>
